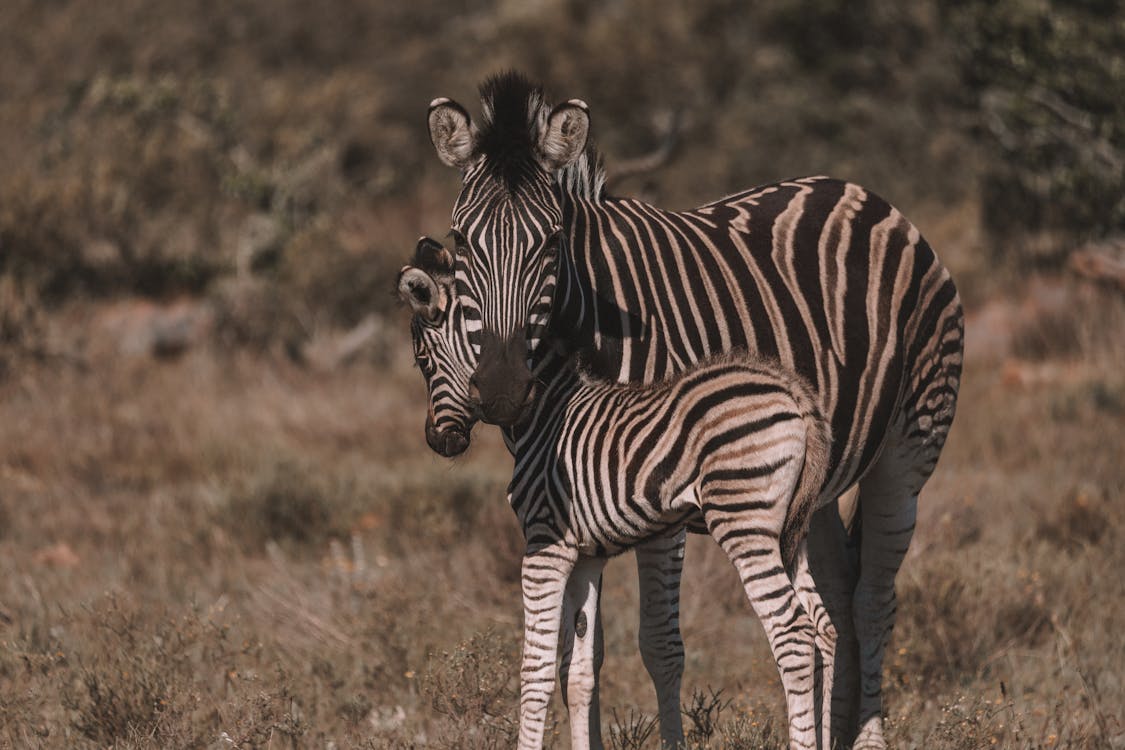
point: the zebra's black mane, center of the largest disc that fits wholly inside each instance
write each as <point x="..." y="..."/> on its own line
<point x="514" y="111"/>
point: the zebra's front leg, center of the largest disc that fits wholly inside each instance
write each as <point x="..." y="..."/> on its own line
<point x="544" y="577"/>
<point x="660" y="563"/>
<point x="583" y="652"/>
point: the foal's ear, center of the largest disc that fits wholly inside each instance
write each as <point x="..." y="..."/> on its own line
<point x="563" y="139"/>
<point x="432" y="257"/>
<point x="452" y="132"/>
<point x="419" y="290"/>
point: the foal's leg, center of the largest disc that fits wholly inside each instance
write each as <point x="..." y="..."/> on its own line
<point x="582" y="652"/>
<point x="825" y="640"/>
<point x="751" y="543"/>
<point x="660" y="562"/>
<point x="544" y="577"/>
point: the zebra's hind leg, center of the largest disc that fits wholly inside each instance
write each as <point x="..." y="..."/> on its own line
<point x="660" y="563"/>
<point x="583" y="652"/>
<point x="888" y="508"/>
<point x="888" y="505"/>
<point x="544" y="577"/>
<point x="825" y="641"/>
<point x="754" y="550"/>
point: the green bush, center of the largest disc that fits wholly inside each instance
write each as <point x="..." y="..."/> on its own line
<point x="1046" y="83"/>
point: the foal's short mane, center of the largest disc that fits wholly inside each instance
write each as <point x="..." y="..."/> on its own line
<point x="757" y="363"/>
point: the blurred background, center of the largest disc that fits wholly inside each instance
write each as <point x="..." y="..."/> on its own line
<point x="220" y="525"/>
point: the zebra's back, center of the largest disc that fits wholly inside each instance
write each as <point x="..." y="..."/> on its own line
<point x="820" y="274"/>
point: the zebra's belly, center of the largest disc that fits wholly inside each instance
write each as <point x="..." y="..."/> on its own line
<point x="622" y="526"/>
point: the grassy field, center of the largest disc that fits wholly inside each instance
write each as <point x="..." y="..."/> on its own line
<point x="229" y="550"/>
<point x="220" y="525"/>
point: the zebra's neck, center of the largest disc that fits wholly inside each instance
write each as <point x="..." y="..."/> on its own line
<point x="588" y="318"/>
<point x="571" y="327"/>
<point x="555" y="371"/>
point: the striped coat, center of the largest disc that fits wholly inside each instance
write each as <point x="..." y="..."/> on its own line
<point x="819" y="274"/>
<point x="735" y="446"/>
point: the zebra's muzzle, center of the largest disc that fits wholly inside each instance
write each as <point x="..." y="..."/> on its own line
<point x="449" y="442"/>
<point x="502" y="383"/>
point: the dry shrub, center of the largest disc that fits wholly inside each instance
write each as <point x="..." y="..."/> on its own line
<point x="1064" y="319"/>
<point x="291" y="503"/>
<point x="342" y="281"/>
<point x="970" y="725"/>
<point x="1076" y="523"/>
<point x="631" y="731"/>
<point x="125" y="196"/>
<point x="449" y="507"/>
<point x="1075" y="402"/>
<point x="970" y="722"/>
<point x="141" y="679"/>
<point x="255" y="314"/>
<point x="475" y="691"/>
<point x="746" y="733"/>
<point x="715" y="723"/>
<point x="703" y="711"/>
<point x="265" y="718"/>
<point x="21" y="322"/>
<point x="950" y="625"/>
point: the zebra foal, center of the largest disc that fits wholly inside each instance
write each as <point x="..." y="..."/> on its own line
<point x="734" y="447"/>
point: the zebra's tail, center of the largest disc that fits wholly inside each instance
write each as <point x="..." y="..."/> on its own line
<point x="804" y="501"/>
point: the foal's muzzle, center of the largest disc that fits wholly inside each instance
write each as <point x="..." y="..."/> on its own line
<point x="449" y="442"/>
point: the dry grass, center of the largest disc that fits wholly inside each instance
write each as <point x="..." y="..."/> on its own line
<point x="222" y="549"/>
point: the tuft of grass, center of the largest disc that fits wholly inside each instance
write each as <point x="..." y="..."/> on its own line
<point x="748" y="733"/>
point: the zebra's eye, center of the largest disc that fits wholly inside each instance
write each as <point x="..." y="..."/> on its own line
<point x="551" y="247"/>
<point x="460" y="246"/>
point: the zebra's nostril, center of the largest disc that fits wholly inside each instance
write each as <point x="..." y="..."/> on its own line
<point x="455" y="443"/>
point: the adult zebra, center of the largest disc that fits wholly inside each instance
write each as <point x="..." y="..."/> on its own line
<point x="820" y="274"/>
<point x="734" y="446"/>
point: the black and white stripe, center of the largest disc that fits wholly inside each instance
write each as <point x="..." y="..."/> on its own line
<point x="822" y="275"/>
<point x="734" y="445"/>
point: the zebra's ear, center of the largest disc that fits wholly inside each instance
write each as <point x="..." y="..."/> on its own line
<point x="562" y="141"/>
<point x="432" y="257"/>
<point x="419" y="290"/>
<point x="452" y="132"/>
